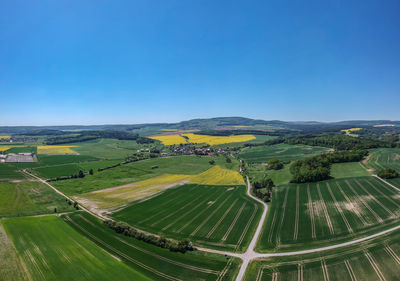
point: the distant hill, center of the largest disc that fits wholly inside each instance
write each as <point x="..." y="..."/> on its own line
<point x="201" y="124"/>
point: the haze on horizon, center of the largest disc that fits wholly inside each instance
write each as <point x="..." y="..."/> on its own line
<point x="128" y="62"/>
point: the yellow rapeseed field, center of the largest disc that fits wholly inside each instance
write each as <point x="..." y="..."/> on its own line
<point x="116" y="196"/>
<point x="217" y="176"/>
<point x="349" y="131"/>
<point x="55" y="149"/>
<point x="170" y="139"/>
<point x="215" y="140"/>
<point x="5" y="137"/>
<point x="384" y="125"/>
<point x="5" y="147"/>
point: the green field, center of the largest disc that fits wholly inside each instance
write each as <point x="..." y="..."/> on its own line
<point x="311" y="215"/>
<point x="22" y="149"/>
<point x="10" y="170"/>
<point x="348" y="170"/>
<point x="155" y="262"/>
<point x="50" y="249"/>
<point x="376" y="260"/>
<point x="212" y="216"/>
<point x="140" y="170"/>
<point x="48" y="172"/>
<point x="29" y="198"/>
<point x="384" y="158"/>
<point x="283" y="152"/>
<point x="10" y="264"/>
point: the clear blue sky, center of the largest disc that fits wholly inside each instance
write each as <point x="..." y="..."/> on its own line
<point x="96" y="62"/>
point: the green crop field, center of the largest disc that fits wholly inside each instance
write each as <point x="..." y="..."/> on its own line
<point x="384" y="158"/>
<point x="311" y="215"/>
<point x="283" y="152"/>
<point x="140" y="170"/>
<point x="10" y="264"/>
<point x="155" y="262"/>
<point x="9" y="171"/>
<point x="213" y="216"/>
<point x="59" y="170"/>
<point x="376" y="260"/>
<point x="348" y="170"/>
<point x="50" y="249"/>
<point x="29" y="198"/>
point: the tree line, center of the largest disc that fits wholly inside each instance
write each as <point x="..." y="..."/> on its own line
<point x="160" y="241"/>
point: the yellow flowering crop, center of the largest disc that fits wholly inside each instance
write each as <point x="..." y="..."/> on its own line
<point x="55" y="149"/>
<point x="217" y="176"/>
<point x="215" y="140"/>
<point x="170" y="139"/>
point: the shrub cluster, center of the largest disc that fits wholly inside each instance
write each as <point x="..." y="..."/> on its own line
<point x="275" y="164"/>
<point x="125" y="229"/>
<point x="388" y="173"/>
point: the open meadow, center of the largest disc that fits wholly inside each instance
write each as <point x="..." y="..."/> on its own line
<point x="283" y="152"/>
<point x="212" y="216"/>
<point x="316" y="214"/>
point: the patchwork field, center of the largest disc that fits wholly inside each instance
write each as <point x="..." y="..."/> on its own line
<point x="50" y="249"/>
<point x="141" y="170"/>
<point x="377" y="260"/>
<point x="29" y="198"/>
<point x="156" y="263"/>
<point x="283" y="152"/>
<point x="197" y="139"/>
<point x="56" y="149"/>
<point x="212" y="216"/>
<point x="315" y="214"/>
<point x="120" y="195"/>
